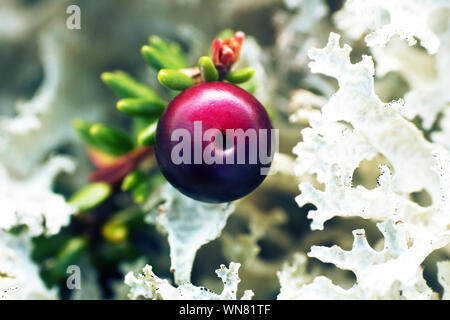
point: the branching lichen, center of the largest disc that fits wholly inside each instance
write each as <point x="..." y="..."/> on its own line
<point x="150" y="286"/>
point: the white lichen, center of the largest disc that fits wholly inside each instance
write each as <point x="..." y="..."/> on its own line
<point x="427" y="77"/>
<point x="355" y="125"/>
<point x="293" y="276"/>
<point x="32" y="203"/>
<point x="150" y="286"/>
<point x="408" y="19"/>
<point x="19" y="276"/>
<point x="379" y="125"/>
<point x="444" y="277"/>
<point x="189" y="225"/>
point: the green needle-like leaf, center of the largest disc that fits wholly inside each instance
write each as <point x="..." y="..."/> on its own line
<point x="159" y="60"/>
<point x="147" y="136"/>
<point x="103" y="138"/>
<point x="241" y="75"/>
<point x="126" y="86"/>
<point x="132" y="179"/>
<point x="90" y="196"/>
<point x="140" y="124"/>
<point x="68" y="255"/>
<point x="207" y="69"/>
<point x="170" y="49"/>
<point x="111" y="140"/>
<point x="141" y="191"/>
<point x="82" y="128"/>
<point x="174" y="79"/>
<point x="141" y="107"/>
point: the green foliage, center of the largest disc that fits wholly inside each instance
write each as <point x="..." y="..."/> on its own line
<point x="140" y="191"/>
<point x="161" y="54"/>
<point x="141" y="107"/>
<point x="241" y="75"/>
<point x="126" y="86"/>
<point x="110" y="140"/>
<point x="115" y="232"/>
<point x="174" y="79"/>
<point x="171" y="49"/>
<point x="207" y="69"/>
<point x="83" y="130"/>
<point x="90" y="196"/>
<point x="147" y="136"/>
<point x="132" y="179"/>
<point x="68" y="255"/>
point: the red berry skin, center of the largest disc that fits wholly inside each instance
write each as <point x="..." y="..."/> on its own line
<point x="221" y="106"/>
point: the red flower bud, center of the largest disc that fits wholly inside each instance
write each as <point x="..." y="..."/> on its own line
<point x="226" y="52"/>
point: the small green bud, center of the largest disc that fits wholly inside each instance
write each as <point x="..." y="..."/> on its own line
<point x="174" y="79"/>
<point x="241" y="75"/>
<point x="115" y="232"/>
<point x="126" y="86"/>
<point x="141" y="107"/>
<point x="147" y="136"/>
<point x="111" y="140"/>
<point x="207" y="69"/>
<point x="132" y="179"/>
<point x="90" y="196"/>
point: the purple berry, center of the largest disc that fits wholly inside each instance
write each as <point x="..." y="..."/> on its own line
<point x="221" y="106"/>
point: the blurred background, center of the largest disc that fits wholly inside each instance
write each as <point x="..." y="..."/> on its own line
<point x="50" y="75"/>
